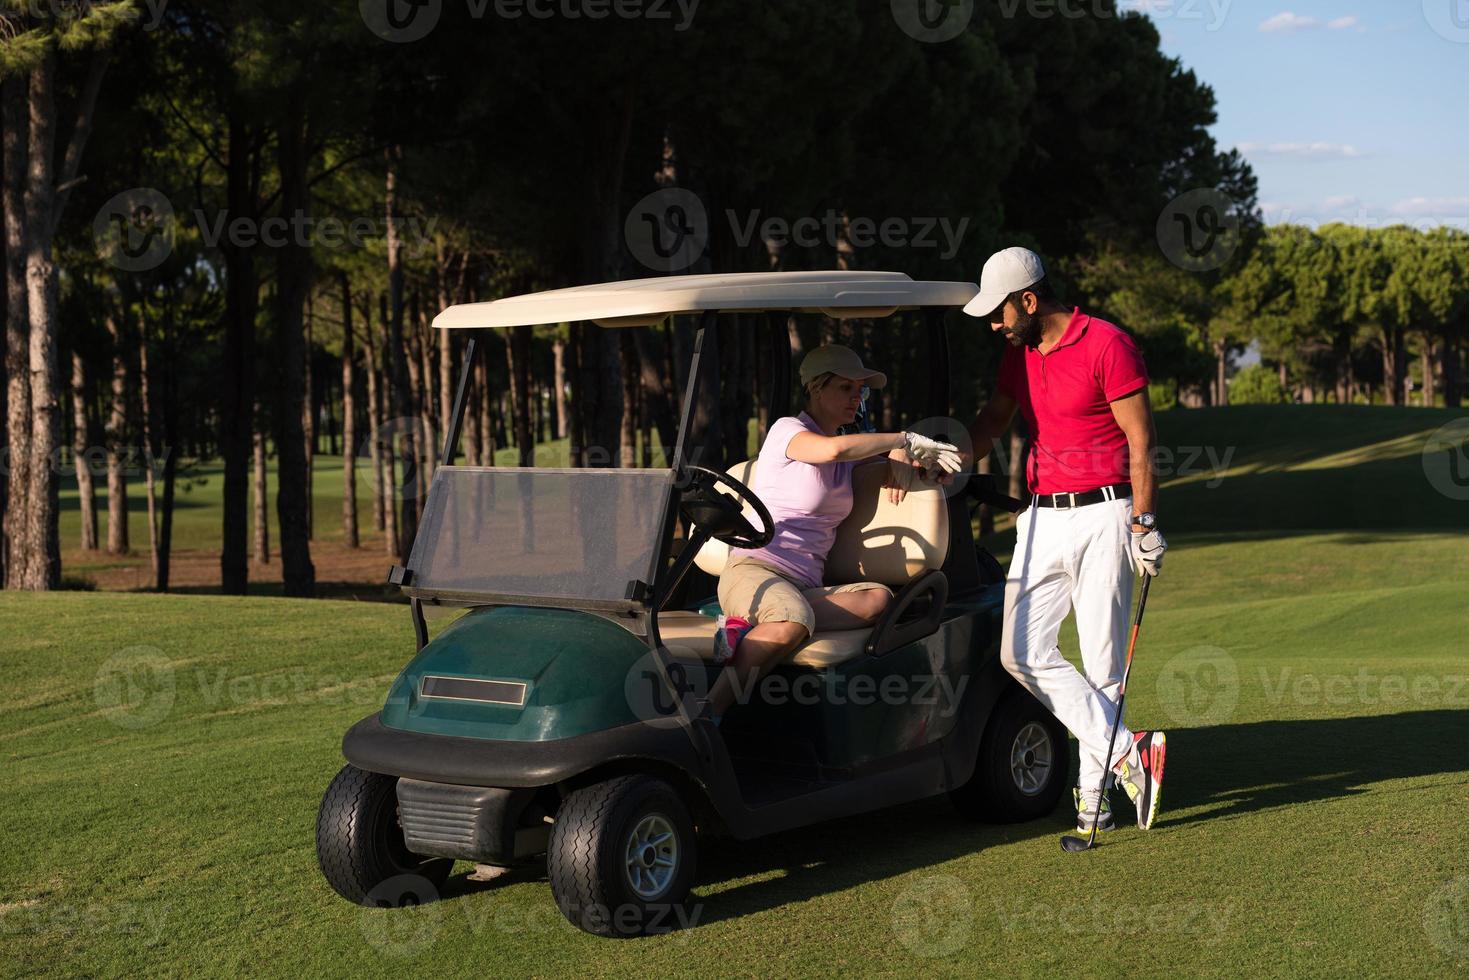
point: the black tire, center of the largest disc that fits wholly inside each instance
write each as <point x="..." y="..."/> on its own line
<point x="359" y="844"/>
<point x="1004" y="792"/>
<point x="587" y="860"/>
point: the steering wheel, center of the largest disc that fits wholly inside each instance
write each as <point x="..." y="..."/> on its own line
<point x="719" y="514"/>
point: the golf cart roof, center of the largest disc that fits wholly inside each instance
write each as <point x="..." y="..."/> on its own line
<point x="646" y="302"/>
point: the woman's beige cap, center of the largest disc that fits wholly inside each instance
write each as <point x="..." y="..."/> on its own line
<point x="841" y="361"/>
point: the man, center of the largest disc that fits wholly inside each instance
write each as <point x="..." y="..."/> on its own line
<point x="1081" y="386"/>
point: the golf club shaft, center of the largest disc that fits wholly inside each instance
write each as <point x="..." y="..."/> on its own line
<point x="1137" y="622"/>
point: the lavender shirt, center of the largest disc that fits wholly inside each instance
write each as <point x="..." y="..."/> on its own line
<point x="806" y="500"/>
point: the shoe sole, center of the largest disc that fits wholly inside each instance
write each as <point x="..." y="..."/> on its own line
<point x="1157" y="755"/>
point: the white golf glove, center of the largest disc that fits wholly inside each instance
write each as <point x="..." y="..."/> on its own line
<point x="930" y="453"/>
<point x="1147" y="551"/>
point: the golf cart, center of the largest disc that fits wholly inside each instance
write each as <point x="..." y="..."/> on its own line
<point x="560" y="713"/>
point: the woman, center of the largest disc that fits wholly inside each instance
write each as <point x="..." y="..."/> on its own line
<point x="773" y="597"/>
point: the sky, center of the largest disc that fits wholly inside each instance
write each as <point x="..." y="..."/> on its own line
<point x="1348" y="110"/>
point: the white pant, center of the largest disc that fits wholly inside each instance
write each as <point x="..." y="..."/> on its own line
<point x="1078" y="558"/>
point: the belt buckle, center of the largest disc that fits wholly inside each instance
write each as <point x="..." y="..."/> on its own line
<point x="1056" y="501"/>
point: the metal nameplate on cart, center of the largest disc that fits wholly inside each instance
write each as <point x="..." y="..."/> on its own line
<point x="473" y="689"/>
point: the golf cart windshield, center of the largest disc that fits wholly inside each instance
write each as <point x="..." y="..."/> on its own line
<point x="559" y="537"/>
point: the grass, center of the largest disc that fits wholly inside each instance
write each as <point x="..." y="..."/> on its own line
<point x="1307" y="663"/>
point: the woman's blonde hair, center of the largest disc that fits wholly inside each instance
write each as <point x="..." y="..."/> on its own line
<point x="817" y="383"/>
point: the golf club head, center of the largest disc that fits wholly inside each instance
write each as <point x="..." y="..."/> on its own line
<point x="1074" y="844"/>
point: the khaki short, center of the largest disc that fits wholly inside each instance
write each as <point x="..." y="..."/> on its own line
<point x="761" y="593"/>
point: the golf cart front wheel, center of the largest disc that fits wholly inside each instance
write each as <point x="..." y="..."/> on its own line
<point x="621" y="857"/>
<point x="1022" y="766"/>
<point x="360" y="847"/>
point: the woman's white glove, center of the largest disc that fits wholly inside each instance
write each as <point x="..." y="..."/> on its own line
<point x="1147" y="551"/>
<point x="932" y="453"/>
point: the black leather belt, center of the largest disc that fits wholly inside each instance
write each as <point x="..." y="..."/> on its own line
<point x="1066" y="501"/>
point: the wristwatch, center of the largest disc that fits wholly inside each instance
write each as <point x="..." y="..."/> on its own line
<point x="1147" y="521"/>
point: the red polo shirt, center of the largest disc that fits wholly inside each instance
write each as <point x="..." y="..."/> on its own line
<point x="1065" y="396"/>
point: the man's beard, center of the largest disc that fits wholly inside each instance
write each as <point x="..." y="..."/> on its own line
<point x="1027" y="330"/>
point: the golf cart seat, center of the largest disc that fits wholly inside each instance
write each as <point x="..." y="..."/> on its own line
<point x="901" y="545"/>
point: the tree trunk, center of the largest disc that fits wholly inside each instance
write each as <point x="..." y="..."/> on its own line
<point x="81" y="455"/>
<point x="628" y="436"/>
<point x="17" y="330"/>
<point x="517" y="354"/>
<point x="170" y="445"/>
<point x="1426" y="359"/>
<point x="1394" y="365"/>
<point x="293" y="271"/>
<point x="237" y="402"/>
<point x="446" y="351"/>
<point x="576" y="433"/>
<point x="482" y="409"/>
<point x="308" y="421"/>
<point x="1221" y="379"/>
<point x="42" y="533"/>
<point x="558" y="384"/>
<point x="145" y="416"/>
<point x="1452" y="377"/>
<point x="349" y="424"/>
<point x="657" y="396"/>
<point x="117" y="485"/>
<point x="374" y="420"/>
<point x="261" y="537"/>
<point x="402" y="396"/>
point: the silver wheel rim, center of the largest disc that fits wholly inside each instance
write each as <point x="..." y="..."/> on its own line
<point x="650" y="858"/>
<point x="1031" y="759"/>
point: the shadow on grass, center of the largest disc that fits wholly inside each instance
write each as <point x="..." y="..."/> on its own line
<point x="1237" y="769"/>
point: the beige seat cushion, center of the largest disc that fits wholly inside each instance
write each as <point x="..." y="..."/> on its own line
<point x="690" y="635"/>
<point x="878" y="542"/>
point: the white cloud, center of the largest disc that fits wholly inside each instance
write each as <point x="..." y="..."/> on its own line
<point x="1432" y="206"/>
<point x="1302" y="151"/>
<point x="1343" y="23"/>
<point x="1287" y="22"/>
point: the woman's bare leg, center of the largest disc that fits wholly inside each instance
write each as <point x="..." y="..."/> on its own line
<point x="762" y="648"/>
<point x="850" y="610"/>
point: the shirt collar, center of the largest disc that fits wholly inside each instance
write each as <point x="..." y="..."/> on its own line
<point x="1074" y="329"/>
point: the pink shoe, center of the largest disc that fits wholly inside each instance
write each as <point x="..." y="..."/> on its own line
<point x="728" y="632"/>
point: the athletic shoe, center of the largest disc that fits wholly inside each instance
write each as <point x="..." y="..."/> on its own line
<point x="1086" y="808"/>
<point x="728" y="632"/>
<point x="1144" y="782"/>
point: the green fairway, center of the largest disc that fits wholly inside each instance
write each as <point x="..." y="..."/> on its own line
<point x="1303" y="649"/>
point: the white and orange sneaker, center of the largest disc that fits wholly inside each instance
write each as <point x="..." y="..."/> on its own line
<point x="1143" y="778"/>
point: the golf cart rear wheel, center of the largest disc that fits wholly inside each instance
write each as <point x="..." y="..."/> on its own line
<point x="1022" y="766"/>
<point x="359" y="844"/>
<point x="621" y="857"/>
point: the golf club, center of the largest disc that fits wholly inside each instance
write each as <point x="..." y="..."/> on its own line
<point x="1069" y="842"/>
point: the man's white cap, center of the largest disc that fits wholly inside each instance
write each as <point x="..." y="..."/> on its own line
<point x="1006" y="272"/>
<point x="841" y="361"/>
